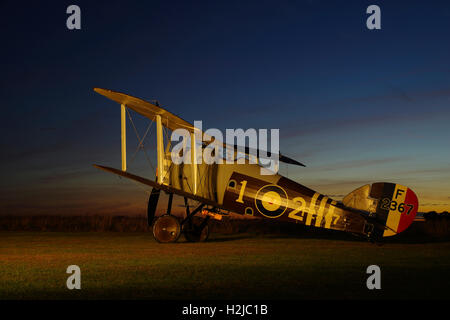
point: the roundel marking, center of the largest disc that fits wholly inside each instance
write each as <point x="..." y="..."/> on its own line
<point x="271" y="201"/>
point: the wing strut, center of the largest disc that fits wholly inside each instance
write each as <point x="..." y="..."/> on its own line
<point x="159" y="150"/>
<point x="194" y="163"/>
<point x="123" y="136"/>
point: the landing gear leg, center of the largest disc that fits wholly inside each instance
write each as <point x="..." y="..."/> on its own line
<point x="167" y="228"/>
<point x="195" y="232"/>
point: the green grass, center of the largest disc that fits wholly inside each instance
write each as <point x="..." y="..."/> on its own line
<point x="133" y="266"/>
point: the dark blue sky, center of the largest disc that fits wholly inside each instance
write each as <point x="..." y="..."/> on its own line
<point x="355" y="105"/>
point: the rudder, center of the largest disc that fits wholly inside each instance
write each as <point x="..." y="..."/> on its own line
<point x="397" y="203"/>
<point x="392" y="205"/>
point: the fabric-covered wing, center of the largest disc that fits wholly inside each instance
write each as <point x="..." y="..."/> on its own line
<point x="157" y="185"/>
<point x="168" y="119"/>
<point x="146" y="109"/>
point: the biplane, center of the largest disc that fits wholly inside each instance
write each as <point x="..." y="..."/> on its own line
<point x="372" y="211"/>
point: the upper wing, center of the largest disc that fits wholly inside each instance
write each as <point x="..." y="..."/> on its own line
<point x="168" y="119"/>
<point x="147" y="109"/>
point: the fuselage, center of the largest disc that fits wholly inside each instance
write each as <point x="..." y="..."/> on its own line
<point x="242" y="189"/>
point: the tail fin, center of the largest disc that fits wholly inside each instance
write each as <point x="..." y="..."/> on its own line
<point x="392" y="205"/>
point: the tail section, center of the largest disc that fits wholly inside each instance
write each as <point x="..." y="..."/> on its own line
<point x="391" y="205"/>
<point x="398" y="203"/>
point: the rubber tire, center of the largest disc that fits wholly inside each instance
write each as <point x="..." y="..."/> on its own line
<point x="166" y="229"/>
<point x="197" y="235"/>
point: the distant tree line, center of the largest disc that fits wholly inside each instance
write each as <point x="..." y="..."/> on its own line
<point x="434" y="215"/>
<point x="435" y="227"/>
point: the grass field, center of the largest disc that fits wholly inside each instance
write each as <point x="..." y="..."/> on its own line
<point x="133" y="266"/>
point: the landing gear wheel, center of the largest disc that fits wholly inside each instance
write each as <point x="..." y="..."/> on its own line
<point x="196" y="233"/>
<point x="166" y="229"/>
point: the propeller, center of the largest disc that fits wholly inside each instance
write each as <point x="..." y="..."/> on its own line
<point x="152" y="204"/>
